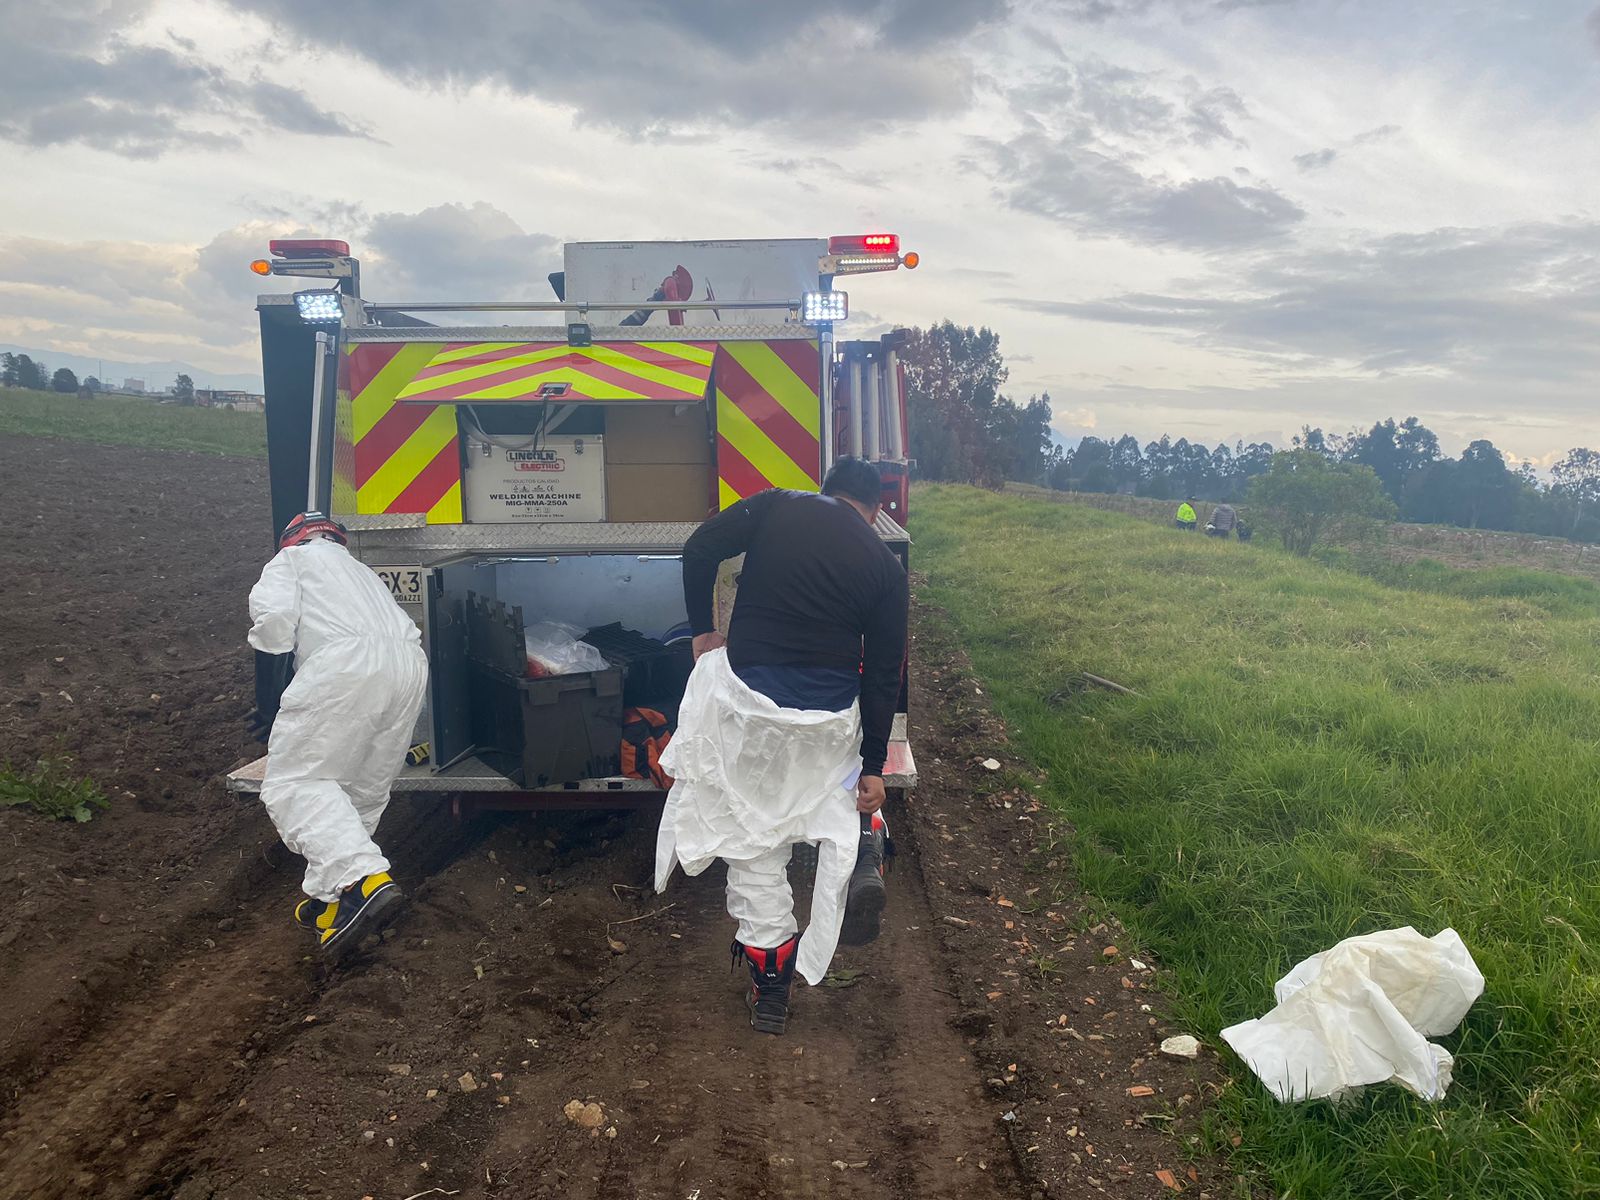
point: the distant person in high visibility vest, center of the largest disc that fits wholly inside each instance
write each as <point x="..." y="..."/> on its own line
<point x="1222" y="522"/>
<point x="340" y="733"/>
<point x="1186" y="515"/>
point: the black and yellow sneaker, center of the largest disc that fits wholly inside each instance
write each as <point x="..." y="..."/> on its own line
<point x="366" y="906"/>
<point x="315" y="915"/>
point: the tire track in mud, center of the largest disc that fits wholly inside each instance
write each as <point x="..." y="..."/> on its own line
<point x="243" y="1073"/>
<point x="871" y="1092"/>
<point x="164" y="1061"/>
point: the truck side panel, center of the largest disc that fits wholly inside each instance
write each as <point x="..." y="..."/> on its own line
<point x="288" y="352"/>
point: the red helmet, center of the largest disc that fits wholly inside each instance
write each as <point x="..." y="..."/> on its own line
<point x="307" y="525"/>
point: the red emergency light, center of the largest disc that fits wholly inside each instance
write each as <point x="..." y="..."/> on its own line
<point x="865" y="243"/>
<point x="308" y="247"/>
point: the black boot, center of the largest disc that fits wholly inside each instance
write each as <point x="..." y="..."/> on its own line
<point x="863" y="906"/>
<point x="771" y="973"/>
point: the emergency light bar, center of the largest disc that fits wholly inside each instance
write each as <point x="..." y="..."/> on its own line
<point x="315" y="258"/>
<point x="824" y="308"/>
<point x="319" y="307"/>
<point x="865" y="243"/>
<point x="306" y="247"/>
<point x="859" y="253"/>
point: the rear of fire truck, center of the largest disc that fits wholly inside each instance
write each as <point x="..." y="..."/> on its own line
<point x="526" y="489"/>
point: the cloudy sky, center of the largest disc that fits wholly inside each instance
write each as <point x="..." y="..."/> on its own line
<point x="1217" y="218"/>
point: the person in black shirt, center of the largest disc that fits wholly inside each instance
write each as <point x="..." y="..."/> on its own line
<point x="819" y="631"/>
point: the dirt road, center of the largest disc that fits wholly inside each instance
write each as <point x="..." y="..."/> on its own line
<point x="166" y="1033"/>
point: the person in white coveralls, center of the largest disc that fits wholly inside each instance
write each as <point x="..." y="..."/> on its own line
<point x="784" y="729"/>
<point x="343" y="726"/>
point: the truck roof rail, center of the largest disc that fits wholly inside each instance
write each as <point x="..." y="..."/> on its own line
<point x="576" y="305"/>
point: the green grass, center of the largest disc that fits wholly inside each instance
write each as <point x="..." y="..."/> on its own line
<point x="1316" y="754"/>
<point x="52" y="790"/>
<point x="131" y="421"/>
<point x="1564" y="594"/>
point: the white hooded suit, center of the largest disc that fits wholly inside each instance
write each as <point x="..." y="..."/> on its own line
<point x="346" y="720"/>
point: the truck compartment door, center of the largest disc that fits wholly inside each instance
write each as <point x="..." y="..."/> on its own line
<point x="448" y="682"/>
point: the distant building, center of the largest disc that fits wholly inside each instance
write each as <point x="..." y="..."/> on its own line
<point x="133" y="385"/>
<point x="222" y="398"/>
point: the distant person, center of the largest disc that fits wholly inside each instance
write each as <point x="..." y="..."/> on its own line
<point x="1223" y="521"/>
<point x="1187" y="519"/>
<point x="1244" y="530"/>
<point x="343" y="726"/>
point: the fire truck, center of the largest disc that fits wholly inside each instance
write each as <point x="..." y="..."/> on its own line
<point x="518" y="482"/>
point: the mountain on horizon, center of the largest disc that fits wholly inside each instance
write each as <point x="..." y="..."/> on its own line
<point x="157" y="376"/>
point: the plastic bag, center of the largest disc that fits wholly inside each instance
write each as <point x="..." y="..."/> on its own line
<point x="554" y="649"/>
<point x="1362" y="1013"/>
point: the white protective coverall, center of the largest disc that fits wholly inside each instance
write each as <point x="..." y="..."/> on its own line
<point x="346" y="719"/>
<point x="750" y="780"/>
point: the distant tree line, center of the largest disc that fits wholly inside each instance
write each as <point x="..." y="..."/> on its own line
<point x="20" y="370"/>
<point x="23" y="371"/>
<point x="1477" y="490"/>
<point x="965" y="429"/>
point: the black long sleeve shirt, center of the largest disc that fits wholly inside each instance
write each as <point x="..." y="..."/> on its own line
<point x="818" y="589"/>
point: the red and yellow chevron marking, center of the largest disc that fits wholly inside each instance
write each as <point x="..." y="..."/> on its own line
<point x="398" y="407"/>
<point x="407" y="457"/>
<point x="515" y="371"/>
<point x="769" y="418"/>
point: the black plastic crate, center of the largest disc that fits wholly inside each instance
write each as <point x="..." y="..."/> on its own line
<point x="559" y="729"/>
<point x="654" y="675"/>
<point x="551" y="730"/>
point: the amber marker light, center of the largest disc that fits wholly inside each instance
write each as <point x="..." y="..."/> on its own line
<point x="261" y="267"/>
<point x="911" y="260"/>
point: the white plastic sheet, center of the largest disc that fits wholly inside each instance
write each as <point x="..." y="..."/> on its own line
<point x="554" y="648"/>
<point x="1362" y="1013"/>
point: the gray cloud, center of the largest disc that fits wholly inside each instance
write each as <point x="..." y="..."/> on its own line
<point x="1090" y="100"/>
<point x="140" y="301"/>
<point x="457" y="251"/>
<point x="1096" y="193"/>
<point x="1318" y="160"/>
<point x="1207" y="118"/>
<point x="1381" y="134"/>
<point x="1086" y="131"/>
<point x="1099" y="11"/>
<point x="810" y="164"/>
<point x="68" y="76"/>
<point x="292" y="111"/>
<point x="1504" y="304"/>
<point x="650" y="70"/>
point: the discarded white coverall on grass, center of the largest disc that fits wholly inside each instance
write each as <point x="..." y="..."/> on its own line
<point x="1362" y="1013"/>
<point x="751" y="780"/>
<point x="345" y="722"/>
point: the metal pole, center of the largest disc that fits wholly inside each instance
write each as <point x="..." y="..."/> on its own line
<point x="897" y="435"/>
<point x="825" y="395"/>
<point x="854" y="353"/>
<point x="318" y="382"/>
<point x="869" y="411"/>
